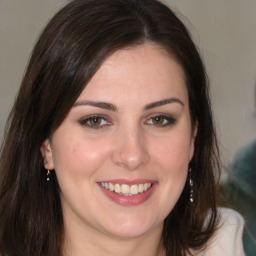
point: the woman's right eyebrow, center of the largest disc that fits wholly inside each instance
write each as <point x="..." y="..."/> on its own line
<point x="97" y="104"/>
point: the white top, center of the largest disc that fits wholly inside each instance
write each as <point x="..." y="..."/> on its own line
<point x="228" y="238"/>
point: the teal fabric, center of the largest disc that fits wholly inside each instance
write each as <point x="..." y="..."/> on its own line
<point x="241" y="189"/>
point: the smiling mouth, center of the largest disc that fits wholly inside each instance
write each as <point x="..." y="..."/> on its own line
<point x="125" y="189"/>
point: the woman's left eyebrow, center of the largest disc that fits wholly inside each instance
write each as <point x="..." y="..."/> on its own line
<point x="163" y="102"/>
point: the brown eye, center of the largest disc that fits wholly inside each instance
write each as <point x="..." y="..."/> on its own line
<point x="158" y="120"/>
<point x="161" y="121"/>
<point x="94" y="122"/>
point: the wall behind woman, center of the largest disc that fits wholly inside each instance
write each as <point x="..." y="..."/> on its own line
<point x="224" y="31"/>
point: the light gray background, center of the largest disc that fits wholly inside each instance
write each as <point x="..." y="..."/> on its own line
<point x="224" y="30"/>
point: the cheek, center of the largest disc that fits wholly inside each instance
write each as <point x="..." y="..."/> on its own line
<point x="174" y="153"/>
<point x="77" y="156"/>
<point x="172" y="159"/>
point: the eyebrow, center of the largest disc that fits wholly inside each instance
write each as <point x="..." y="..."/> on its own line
<point x="163" y="102"/>
<point x="111" y="107"/>
<point x="98" y="104"/>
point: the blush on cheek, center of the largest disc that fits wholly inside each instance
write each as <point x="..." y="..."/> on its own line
<point x="81" y="158"/>
<point x="172" y="152"/>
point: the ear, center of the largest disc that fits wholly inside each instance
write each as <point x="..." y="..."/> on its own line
<point x="46" y="152"/>
<point x="192" y="142"/>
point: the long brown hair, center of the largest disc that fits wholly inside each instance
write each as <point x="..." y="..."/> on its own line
<point x="68" y="53"/>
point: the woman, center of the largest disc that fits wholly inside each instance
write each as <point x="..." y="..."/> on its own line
<point x="110" y="147"/>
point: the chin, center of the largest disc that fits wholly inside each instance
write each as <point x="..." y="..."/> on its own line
<point x="132" y="228"/>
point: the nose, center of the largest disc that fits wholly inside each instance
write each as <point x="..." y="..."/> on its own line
<point x="131" y="150"/>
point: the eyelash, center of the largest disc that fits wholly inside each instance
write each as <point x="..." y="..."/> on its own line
<point x="166" y="121"/>
<point x="85" y="122"/>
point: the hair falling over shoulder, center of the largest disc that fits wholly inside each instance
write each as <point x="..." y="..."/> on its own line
<point x="68" y="53"/>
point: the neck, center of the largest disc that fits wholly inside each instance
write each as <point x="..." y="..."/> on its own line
<point x="88" y="242"/>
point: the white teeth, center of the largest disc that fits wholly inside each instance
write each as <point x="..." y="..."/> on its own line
<point x="125" y="189"/>
<point x="134" y="189"/>
<point x="111" y="187"/>
<point x="141" y="188"/>
<point x="117" y="188"/>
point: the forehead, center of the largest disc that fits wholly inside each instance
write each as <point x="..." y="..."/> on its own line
<point x="145" y="70"/>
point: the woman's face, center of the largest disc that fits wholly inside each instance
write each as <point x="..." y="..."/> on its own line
<point x="121" y="155"/>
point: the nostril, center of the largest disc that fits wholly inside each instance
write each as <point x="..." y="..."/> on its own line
<point x="130" y="148"/>
<point x="131" y="158"/>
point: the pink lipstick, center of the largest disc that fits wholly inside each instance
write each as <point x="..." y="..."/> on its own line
<point x="128" y="193"/>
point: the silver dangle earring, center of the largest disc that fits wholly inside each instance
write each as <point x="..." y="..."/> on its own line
<point x="190" y="181"/>
<point x="48" y="175"/>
